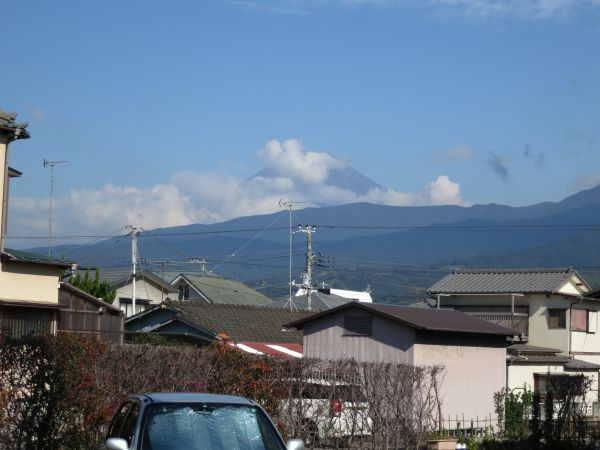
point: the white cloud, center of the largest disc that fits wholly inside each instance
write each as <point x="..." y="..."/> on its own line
<point x="458" y="153"/>
<point x="476" y="9"/>
<point x="288" y="158"/>
<point x="209" y="197"/>
<point x="585" y="182"/>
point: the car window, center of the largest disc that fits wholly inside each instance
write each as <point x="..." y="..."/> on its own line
<point x="118" y="420"/>
<point x="128" y="429"/>
<point x="208" y="427"/>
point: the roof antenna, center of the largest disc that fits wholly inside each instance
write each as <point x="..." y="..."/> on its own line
<point x="51" y="164"/>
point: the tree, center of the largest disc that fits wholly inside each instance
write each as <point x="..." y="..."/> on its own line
<point x="95" y="287"/>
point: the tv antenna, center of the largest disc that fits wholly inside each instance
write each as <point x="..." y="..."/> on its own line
<point x="290" y="205"/>
<point x="51" y="164"/>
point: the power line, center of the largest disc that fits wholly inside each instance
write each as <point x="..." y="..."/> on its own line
<point x="548" y="227"/>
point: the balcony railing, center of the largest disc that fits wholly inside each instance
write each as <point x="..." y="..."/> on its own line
<point x="519" y="322"/>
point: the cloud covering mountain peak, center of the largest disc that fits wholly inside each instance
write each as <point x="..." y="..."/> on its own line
<point x="290" y="172"/>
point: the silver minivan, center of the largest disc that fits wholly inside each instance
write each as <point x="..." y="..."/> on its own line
<point x="193" y="421"/>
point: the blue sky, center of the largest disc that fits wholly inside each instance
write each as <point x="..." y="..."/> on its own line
<point x="164" y="110"/>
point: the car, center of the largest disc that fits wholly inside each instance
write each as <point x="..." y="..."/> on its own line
<point x="193" y="421"/>
<point x="328" y="411"/>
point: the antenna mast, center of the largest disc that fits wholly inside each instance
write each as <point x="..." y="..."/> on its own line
<point x="51" y="164"/>
<point x="289" y="205"/>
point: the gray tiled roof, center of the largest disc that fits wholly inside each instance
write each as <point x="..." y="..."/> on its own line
<point x="225" y="290"/>
<point x="8" y="124"/>
<point x="526" y="349"/>
<point x="502" y="281"/>
<point x="242" y="322"/>
<point x="119" y="276"/>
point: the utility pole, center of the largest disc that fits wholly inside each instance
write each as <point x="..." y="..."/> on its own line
<point x="289" y="205"/>
<point x="135" y="231"/>
<point x="310" y="259"/>
<point x="51" y="164"/>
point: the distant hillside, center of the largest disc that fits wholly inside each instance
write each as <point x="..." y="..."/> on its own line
<point x="395" y="249"/>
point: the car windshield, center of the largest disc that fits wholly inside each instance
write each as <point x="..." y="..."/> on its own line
<point x="208" y="427"/>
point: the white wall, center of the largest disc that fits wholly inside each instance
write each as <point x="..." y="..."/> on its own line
<point x="472" y="375"/>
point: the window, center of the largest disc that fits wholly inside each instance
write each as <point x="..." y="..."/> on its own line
<point x="560" y="384"/>
<point x="557" y="318"/>
<point x="126" y="306"/>
<point x="358" y="325"/>
<point x="184" y="291"/>
<point x="579" y="320"/>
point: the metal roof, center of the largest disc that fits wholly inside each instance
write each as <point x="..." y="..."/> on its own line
<point x="503" y="281"/>
<point x="33" y="258"/>
<point x="320" y="302"/>
<point x="444" y="320"/>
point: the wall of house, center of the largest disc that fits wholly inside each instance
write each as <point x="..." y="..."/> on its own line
<point x="539" y="333"/>
<point x="144" y="290"/>
<point x="585" y="345"/>
<point x="390" y="342"/>
<point x="29" y="282"/>
<point x="538" y="304"/>
<point x="3" y="182"/>
<point x="520" y="375"/>
<point x="475" y="368"/>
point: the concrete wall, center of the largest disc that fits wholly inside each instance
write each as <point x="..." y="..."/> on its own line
<point x="475" y="368"/>
<point x="29" y="282"/>
<point x="390" y="342"/>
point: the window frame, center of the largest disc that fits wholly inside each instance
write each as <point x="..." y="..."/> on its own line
<point x="356" y="331"/>
<point x="562" y="320"/>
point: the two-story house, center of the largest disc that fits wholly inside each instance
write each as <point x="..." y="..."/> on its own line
<point x="29" y="284"/>
<point x="550" y="309"/>
<point x="32" y="298"/>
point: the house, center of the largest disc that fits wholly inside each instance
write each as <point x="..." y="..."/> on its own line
<point x="250" y="328"/>
<point x="547" y="307"/>
<point x="207" y="287"/>
<point x="536" y="367"/>
<point x="150" y="289"/>
<point x="87" y="316"/>
<point x="29" y="283"/>
<point x="472" y="351"/>
<point x="552" y="309"/>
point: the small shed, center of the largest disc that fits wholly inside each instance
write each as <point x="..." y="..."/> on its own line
<point x="88" y="316"/>
<point x="472" y="351"/>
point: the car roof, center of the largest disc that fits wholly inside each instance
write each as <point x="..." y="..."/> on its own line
<point x="191" y="397"/>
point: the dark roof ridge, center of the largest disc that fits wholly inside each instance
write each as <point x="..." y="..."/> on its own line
<point x="466" y="323"/>
<point x="522" y="270"/>
<point x="216" y="305"/>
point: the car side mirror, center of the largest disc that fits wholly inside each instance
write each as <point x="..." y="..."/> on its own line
<point x="116" y="444"/>
<point x="295" y="444"/>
